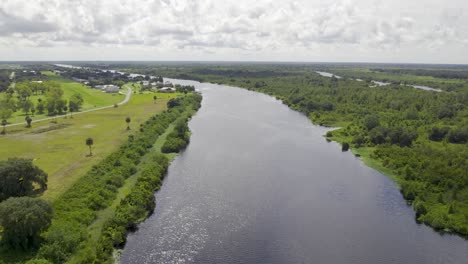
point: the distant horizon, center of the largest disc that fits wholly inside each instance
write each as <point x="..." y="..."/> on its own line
<point x="234" y="61"/>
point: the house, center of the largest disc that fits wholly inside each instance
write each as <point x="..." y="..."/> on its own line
<point x="167" y="90"/>
<point x="83" y="81"/>
<point x="110" y="88"/>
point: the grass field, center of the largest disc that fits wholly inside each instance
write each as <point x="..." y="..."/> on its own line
<point x="60" y="148"/>
<point x="93" y="98"/>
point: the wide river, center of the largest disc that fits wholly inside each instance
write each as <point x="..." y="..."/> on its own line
<point x="258" y="183"/>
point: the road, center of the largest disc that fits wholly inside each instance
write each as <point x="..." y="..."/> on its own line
<point x="125" y="100"/>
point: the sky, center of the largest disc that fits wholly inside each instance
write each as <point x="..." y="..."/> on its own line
<point x="399" y="31"/>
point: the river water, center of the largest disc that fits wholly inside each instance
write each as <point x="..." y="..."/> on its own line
<point x="259" y="184"/>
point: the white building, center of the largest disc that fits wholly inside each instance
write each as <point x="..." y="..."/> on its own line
<point x="111" y="88"/>
<point x="108" y="88"/>
<point x="167" y="90"/>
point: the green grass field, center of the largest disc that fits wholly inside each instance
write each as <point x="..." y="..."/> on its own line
<point x="60" y="148"/>
<point x="93" y="98"/>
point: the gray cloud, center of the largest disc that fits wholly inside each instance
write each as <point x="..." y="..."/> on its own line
<point x="10" y="24"/>
<point x="264" y="28"/>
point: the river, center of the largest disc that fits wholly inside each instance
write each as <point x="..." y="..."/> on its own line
<point x="258" y="183"/>
<point x="379" y="83"/>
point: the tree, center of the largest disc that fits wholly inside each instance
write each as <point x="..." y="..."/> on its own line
<point x="128" y="120"/>
<point x="28" y="121"/>
<point x="65" y="109"/>
<point x="173" y="102"/>
<point x="371" y="121"/>
<point x="26" y="105"/>
<point x="438" y="133"/>
<point x="75" y="102"/>
<point x="4" y="123"/>
<point x="40" y="106"/>
<point x="154" y="98"/>
<point x="7" y="107"/>
<point x="89" y="143"/>
<point x="23" y="220"/>
<point x="54" y="101"/>
<point x="20" y="177"/>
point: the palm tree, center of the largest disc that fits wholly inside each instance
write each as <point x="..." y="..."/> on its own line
<point x="65" y="109"/>
<point x="128" y="120"/>
<point x="4" y="123"/>
<point x="89" y="143"/>
<point x="28" y="121"/>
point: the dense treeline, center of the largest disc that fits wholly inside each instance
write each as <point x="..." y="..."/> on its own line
<point x="178" y="139"/>
<point x="439" y="73"/>
<point x="76" y="209"/>
<point x="132" y="210"/>
<point x="419" y="135"/>
<point x="367" y="75"/>
<point x="5" y="80"/>
<point x="52" y="102"/>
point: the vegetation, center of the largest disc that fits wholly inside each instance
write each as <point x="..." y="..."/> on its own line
<point x="20" y="177"/>
<point x="128" y="120"/>
<point x="95" y="191"/>
<point x="47" y="142"/>
<point x="178" y="139"/>
<point x="99" y="190"/>
<point x="23" y="219"/>
<point x="89" y="142"/>
<point x="50" y="96"/>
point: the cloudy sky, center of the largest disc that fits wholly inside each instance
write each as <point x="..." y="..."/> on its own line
<point x="422" y="31"/>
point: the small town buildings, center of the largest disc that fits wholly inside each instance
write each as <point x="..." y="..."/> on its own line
<point x="111" y="88"/>
<point x="108" y="88"/>
<point x="79" y="80"/>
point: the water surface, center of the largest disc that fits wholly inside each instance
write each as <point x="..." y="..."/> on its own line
<point x="259" y="184"/>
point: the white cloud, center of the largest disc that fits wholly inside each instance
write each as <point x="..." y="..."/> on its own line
<point x="305" y="30"/>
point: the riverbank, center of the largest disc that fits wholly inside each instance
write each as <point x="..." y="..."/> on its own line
<point x="120" y="187"/>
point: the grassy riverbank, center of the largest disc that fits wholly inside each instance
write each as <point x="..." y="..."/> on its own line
<point x="95" y="213"/>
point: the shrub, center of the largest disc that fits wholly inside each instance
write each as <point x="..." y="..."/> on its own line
<point x="345" y="146"/>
